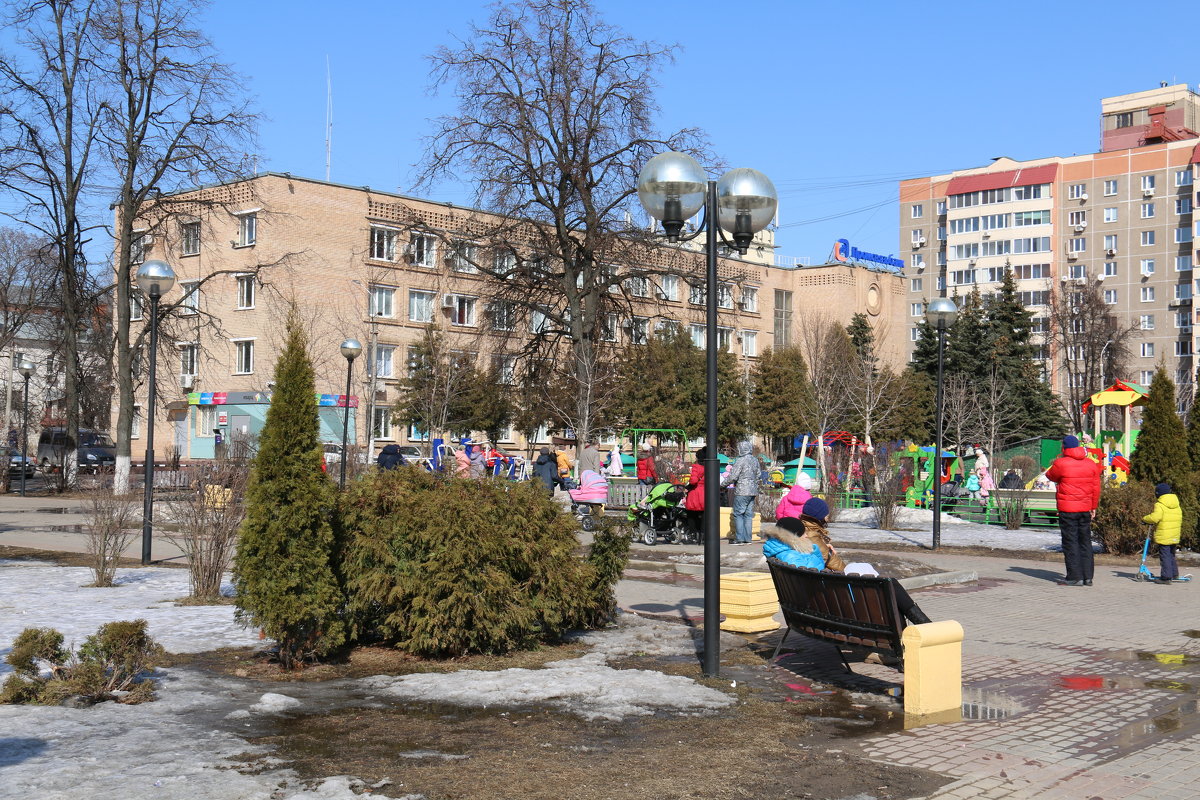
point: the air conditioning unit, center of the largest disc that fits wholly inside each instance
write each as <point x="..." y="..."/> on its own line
<point x="1110" y="252"/>
<point x="971" y="263"/>
<point x="1101" y="276"/>
<point x="187" y="381"/>
<point x="916" y="244"/>
<point x="449" y="301"/>
<point x="742" y="305"/>
<point x="1072" y="255"/>
<point x="987" y="235"/>
<point x="1147" y="193"/>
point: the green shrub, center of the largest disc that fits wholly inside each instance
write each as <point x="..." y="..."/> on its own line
<point x="109" y="661"/>
<point x="1118" y="525"/>
<point x="443" y="566"/>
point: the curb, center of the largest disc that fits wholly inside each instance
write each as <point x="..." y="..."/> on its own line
<point x="939" y="579"/>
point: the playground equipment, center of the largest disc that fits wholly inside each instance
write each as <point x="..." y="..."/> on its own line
<point x="1127" y="395"/>
<point x="919" y="463"/>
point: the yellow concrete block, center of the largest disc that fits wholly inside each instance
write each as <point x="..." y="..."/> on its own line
<point x="758" y="625"/>
<point x="747" y="581"/>
<point x="932" y="671"/>
<point x="748" y="602"/>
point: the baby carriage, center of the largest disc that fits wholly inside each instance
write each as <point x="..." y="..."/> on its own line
<point x="660" y="513"/>
<point x="588" y="499"/>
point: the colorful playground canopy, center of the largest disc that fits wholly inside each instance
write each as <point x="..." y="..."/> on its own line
<point x="1121" y="393"/>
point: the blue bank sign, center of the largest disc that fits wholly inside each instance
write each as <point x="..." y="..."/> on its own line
<point x="842" y="251"/>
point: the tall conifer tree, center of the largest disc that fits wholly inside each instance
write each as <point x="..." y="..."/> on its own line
<point x="1161" y="453"/>
<point x="283" y="570"/>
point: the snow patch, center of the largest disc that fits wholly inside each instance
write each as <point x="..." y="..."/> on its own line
<point x="907" y="517"/>
<point x="272" y="703"/>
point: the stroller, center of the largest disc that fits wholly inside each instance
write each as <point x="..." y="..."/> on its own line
<point x="588" y="499"/>
<point x="660" y="513"/>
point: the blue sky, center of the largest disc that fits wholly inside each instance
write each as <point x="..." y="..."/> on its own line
<point x="834" y="101"/>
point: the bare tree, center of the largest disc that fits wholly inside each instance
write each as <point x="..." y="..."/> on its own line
<point x="827" y="350"/>
<point x="960" y="406"/>
<point x="872" y="391"/>
<point x="997" y="416"/>
<point x="555" y="119"/>
<point x="1092" y="343"/>
<point x="209" y="521"/>
<point x="52" y="113"/>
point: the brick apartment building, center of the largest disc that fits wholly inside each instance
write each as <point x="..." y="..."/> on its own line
<point x="380" y="267"/>
<point x="1123" y="215"/>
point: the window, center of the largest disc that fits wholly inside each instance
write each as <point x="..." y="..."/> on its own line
<point x="422" y="249"/>
<point x="749" y="300"/>
<point x="1183" y="206"/>
<point x="1146" y="322"/>
<point x="1025" y="218"/>
<point x="916" y="309"/>
<point x="608" y="327"/>
<point x="918" y="261"/>
<point x="961" y="251"/>
<point x="995" y="275"/>
<point x="993" y="222"/>
<point x="941" y="258"/>
<point x="667" y="327"/>
<point x="638" y="286"/>
<point x="783" y="318"/>
<point x="1110" y="269"/>
<point x="915" y="284"/>
<point x="698" y="334"/>
<point x="189" y="234"/>
<point x="1025" y="192"/>
<point x="750" y="344"/>
<point x="1124" y="119"/>
<point x="1077" y="245"/>
<point x="918" y="236"/>
<point x="1183" y="263"/>
<point x="190" y="302"/>
<point x="247" y="229"/>
<point x="1183" y="291"/>
<point x="1147" y="266"/>
<point x="1147" y="238"/>
<point x="1039" y="325"/>
<point x="1183" y="319"/>
<point x="382" y="301"/>
<point x="996" y="247"/>
<point x="245" y="291"/>
<point x="245" y="356"/>
<point x="1183" y="177"/>
<point x="187" y="359"/>
<point x="462" y="310"/>
<point x="538" y="321"/>
<point x="1026" y="272"/>
<point x="1147" y="294"/>
<point x="914" y="334"/>
<point x="668" y="287"/>
<point x="1110" y="297"/>
<point x="136" y="430"/>
<point x="1038" y="298"/>
<point x="1110" y="187"/>
<point x="1037" y="244"/>
<point x="1147" y="377"/>
<point x="1184" y="348"/>
<point x="1078" y="271"/>
<point x="1147" y="183"/>
<point x="383" y="363"/>
<point x="206" y="421"/>
<point x="381" y="424"/>
<point x="1110" y="241"/>
<point x="138" y="246"/>
<point x="383" y="243"/>
<point x="503" y="264"/>
<point x="135" y="304"/>
<point x="724" y="338"/>
<point x="941" y="283"/>
<point x="420" y="306"/>
<point x="963" y="225"/>
<point x="962" y="277"/>
<point x="1147" y="210"/>
<point x="697" y="296"/>
<point x="724" y="295"/>
<point x="1077" y="191"/>
<point x="505" y="368"/>
<point x="941" y="208"/>
<point x="415" y="434"/>
<point x="1183" y="235"/>
<point x="464" y="256"/>
<point x="503" y="315"/>
<point x="1110" y="214"/>
<point x="639" y="330"/>
<point x="1077" y="218"/>
<point x="941" y="233"/>
<point x="1147" y="349"/>
<point x="918" y="210"/>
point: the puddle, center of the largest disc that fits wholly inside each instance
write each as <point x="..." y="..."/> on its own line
<point x="1171" y="686"/>
<point x="987" y="705"/>
<point x="53" y="510"/>
<point x="1169" y="659"/>
<point x="65" y="528"/>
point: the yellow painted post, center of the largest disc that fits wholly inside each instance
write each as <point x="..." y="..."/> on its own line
<point x="748" y="602"/>
<point x="932" y="672"/>
<point x="756" y="531"/>
<point x="726" y="523"/>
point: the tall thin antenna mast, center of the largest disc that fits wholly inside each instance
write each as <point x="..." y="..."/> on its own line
<point x="328" y="117"/>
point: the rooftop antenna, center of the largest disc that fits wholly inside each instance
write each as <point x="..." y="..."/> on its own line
<point x="328" y="117"/>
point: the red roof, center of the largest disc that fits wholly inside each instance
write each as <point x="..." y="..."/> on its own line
<point x="1001" y="180"/>
<point x="1196" y="154"/>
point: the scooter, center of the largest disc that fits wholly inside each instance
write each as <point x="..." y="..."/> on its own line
<point x="1144" y="573"/>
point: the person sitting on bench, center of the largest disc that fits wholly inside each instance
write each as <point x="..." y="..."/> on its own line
<point x="809" y="531"/>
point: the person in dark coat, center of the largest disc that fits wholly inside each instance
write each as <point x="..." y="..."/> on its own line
<point x="1011" y="480"/>
<point x="545" y="469"/>
<point x="1077" y="493"/>
<point x="389" y="457"/>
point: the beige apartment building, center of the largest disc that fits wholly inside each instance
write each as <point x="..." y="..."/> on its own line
<point x="1123" y="215"/>
<point x="380" y="267"/>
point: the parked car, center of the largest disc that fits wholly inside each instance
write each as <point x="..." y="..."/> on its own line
<point x="15" y="460"/>
<point x="333" y="454"/>
<point x="410" y="451"/>
<point x="96" y="449"/>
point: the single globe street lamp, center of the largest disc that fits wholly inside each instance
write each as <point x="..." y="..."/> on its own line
<point x="940" y="313"/>
<point x="154" y="278"/>
<point x="26" y="369"/>
<point x="673" y="188"/>
<point x="350" y="350"/>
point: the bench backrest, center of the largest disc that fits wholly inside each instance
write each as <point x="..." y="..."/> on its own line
<point x="849" y="609"/>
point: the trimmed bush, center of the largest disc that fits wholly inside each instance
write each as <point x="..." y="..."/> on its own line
<point x="442" y="566"/>
<point x="1118" y="525"/>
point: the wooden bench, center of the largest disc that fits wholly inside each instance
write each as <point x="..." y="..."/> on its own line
<point x="849" y="610"/>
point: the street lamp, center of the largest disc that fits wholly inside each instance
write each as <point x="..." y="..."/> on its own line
<point x="26" y="369"/>
<point x="940" y="313"/>
<point x="350" y="349"/>
<point x="154" y="278"/>
<point x="673" y="188"/>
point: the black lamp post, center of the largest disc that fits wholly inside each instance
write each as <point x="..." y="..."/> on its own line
<point x="941" y="313"/>
<point x="154" y="278"/>
<point x="350" y="349"/>
<point x="26" y="369"/>
<point x="673" y="188"/>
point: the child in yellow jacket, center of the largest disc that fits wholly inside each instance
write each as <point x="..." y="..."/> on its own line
<point x="1167" y="518"/>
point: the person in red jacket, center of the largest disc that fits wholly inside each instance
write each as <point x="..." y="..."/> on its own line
<point x="647" y="473"/>
<point x="694" y="503"/>
<point x="1077" y="493"/>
